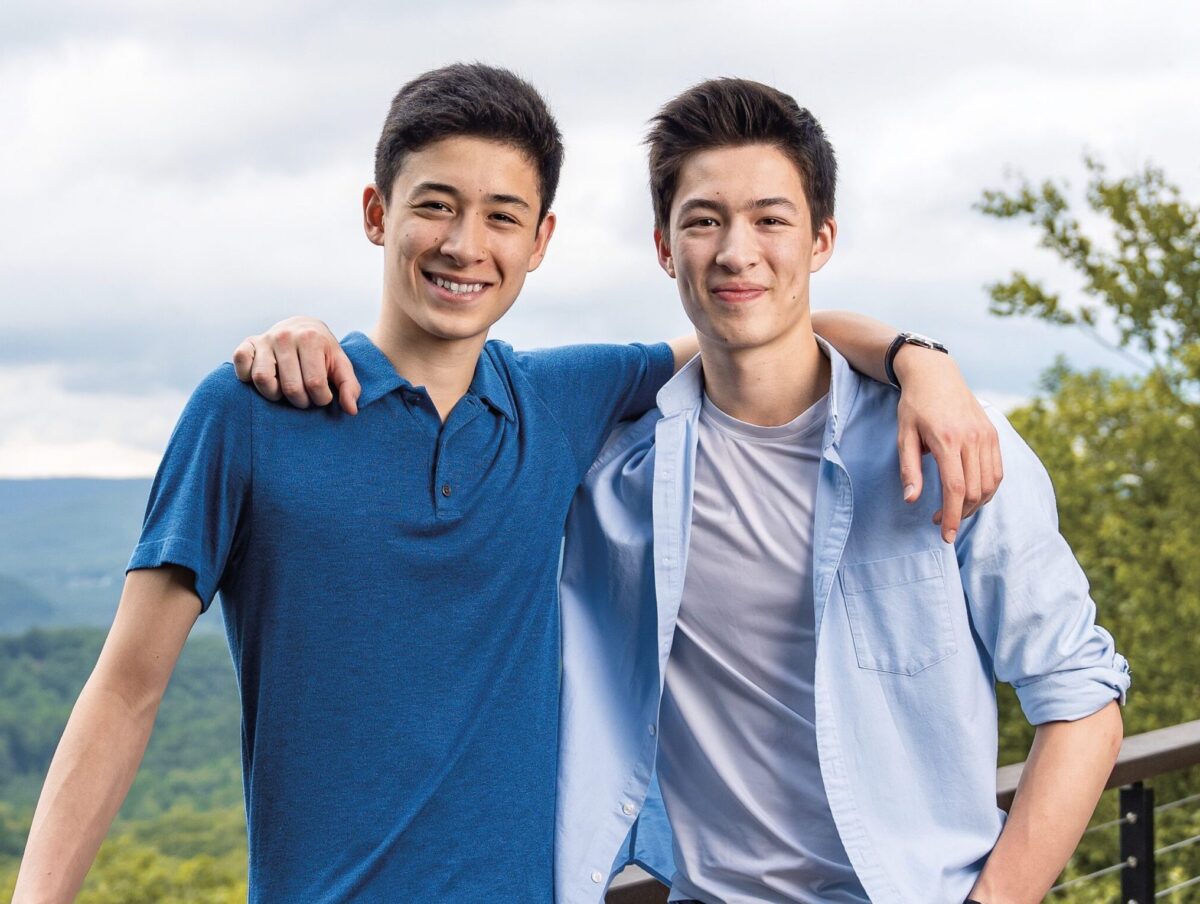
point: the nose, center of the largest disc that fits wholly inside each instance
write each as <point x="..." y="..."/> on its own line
<point x="465" y="241"/>
<point x="739" y="249"/>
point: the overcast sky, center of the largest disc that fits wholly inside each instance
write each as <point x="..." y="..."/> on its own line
<point x="172" y="179"/>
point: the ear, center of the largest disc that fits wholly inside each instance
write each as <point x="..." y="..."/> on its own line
<point x="373" y="214"/>
<point x="823" y="243"/>
<point x="542" y="241"/>
<point x="662" y="245"/>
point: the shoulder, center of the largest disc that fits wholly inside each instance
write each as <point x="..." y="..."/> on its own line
<point x="222" y="387"/>
<point x="576" y="358"/>
<point x="222" y="391"/>
<point x="220" y="406"/>
<point x="628" y="441"/>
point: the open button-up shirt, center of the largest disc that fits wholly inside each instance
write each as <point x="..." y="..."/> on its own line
<point x="912" y="633"/>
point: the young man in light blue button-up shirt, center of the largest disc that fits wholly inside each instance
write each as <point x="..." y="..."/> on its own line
<point x="871" y="776"/>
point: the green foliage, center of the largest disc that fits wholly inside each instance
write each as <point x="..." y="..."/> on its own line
<point x="1144" y="275"/>
<point x="1124" y="455"/>
<point x="181" y="835"/>
<point x="180" y="856"/>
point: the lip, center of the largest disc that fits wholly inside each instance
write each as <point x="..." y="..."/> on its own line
<point x="454" y="297"/>
<point x="738" y="293"/>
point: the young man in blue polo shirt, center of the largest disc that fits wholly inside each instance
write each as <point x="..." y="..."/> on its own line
<point x="388" y="580"/>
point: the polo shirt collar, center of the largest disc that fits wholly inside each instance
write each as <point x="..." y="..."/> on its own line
<point x="375" y="373"/>
<point x="491" y="387"/>
<point x="378" y="377"/>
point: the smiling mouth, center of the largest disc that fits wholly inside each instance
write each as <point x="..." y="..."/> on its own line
<point x="738" y="293"/>
<point x="461" y="290"/>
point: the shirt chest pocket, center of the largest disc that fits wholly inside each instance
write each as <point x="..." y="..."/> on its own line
<point x="899" y="612"/>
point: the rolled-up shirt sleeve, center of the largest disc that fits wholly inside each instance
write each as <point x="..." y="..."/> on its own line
<point x="1029" y="600"/>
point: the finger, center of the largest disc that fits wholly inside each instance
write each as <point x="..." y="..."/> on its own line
<point x="910" y="463"/>
<point x="953" y="490"/>
<point x="341" y="374"/>
<point x="972" y="478"/>
<point x="291" y="378"/>
<point x="243" y="359"/>
<point x="264" y="374"/>
<point x="997" y="463"/>
<point x="987" y="473"/>
<point x="313" y="372"/>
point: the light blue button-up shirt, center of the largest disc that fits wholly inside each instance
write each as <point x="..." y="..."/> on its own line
<point x="912" y="633"/>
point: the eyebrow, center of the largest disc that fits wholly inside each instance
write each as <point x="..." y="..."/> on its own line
<point x="720" y="206"/>
<point x="443" y="188"/>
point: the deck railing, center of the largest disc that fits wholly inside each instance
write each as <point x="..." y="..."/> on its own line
<point x="1143" y="757"/>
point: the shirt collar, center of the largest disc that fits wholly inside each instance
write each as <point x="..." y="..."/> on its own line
<point x="491" y="386"/>
<point x="375" y="373"/>
<point x="378" y="377"/>
<point x="684" y="392"/>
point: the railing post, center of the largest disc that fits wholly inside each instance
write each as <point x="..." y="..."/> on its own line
<point x="1137" y="844"/>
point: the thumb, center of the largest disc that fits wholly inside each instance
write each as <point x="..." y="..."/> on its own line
<point x="341" y="374"/>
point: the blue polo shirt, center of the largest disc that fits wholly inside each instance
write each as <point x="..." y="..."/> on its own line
<point x="389" y="586"/>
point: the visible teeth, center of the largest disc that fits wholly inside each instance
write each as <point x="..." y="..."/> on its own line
<point x="457" y="288"/>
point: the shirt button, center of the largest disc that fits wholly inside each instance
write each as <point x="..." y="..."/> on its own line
<point x="653" y="729"/>
<point x="596" y="877"/>
<point x="629" y="809"/>
<point x="446" y="489"/>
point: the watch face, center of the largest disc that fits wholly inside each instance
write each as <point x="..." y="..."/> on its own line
<point x="924" y="341"/>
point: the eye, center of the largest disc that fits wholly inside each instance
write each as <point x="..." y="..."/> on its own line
<point x="772" y="221"/>
<point x="434" y="206"/>
<point x="700" y="222"/>
<point x="506" y="218"/>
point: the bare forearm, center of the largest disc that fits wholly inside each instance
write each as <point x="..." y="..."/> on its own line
<point x="106" y="735"/>
<point x="1068" y="766"/>
<point x="90" y="775"/>
<point x="862" y="340"/>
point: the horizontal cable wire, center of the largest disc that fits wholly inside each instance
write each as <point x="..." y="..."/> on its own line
<point x="1174" y="888"/>
<point x="1108" y="825"/>
<point x="1187" y="842"/>
<point x="1115" y="868"/>
<point x="1177" y="803"/>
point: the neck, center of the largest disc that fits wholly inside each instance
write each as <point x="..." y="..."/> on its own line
<point x="445" y="367"/>
<point x="767" y="385"/>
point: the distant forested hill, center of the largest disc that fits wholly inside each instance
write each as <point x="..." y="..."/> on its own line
<point x="63" y="548"/>
<point x="183" y="823"/>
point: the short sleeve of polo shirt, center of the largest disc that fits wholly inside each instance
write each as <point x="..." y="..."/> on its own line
<point x="590" y="388"/>
<point x="202" y="486"/>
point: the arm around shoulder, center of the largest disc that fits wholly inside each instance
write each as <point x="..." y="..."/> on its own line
<point x="106" y="736"/>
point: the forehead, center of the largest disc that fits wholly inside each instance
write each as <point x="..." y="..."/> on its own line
<point x="740" y="174"/>
<point x="471" y="165"/>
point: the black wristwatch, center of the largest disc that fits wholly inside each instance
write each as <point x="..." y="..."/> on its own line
<point x="902" y="339"/>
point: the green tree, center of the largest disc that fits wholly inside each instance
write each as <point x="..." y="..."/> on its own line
<point x="1124" y="451"/>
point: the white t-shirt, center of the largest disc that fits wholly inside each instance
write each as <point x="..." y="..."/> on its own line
<point x="738" y="752"/>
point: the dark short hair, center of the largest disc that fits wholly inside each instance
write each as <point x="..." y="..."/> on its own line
<point x="731" y="112"/>
<point x="470" y="99"/>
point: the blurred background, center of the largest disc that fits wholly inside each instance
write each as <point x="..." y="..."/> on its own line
<point x="1019" y="180"/>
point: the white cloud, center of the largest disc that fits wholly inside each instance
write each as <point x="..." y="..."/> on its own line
<point x="172" y="176"/>
<point x="49" y="430"/>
